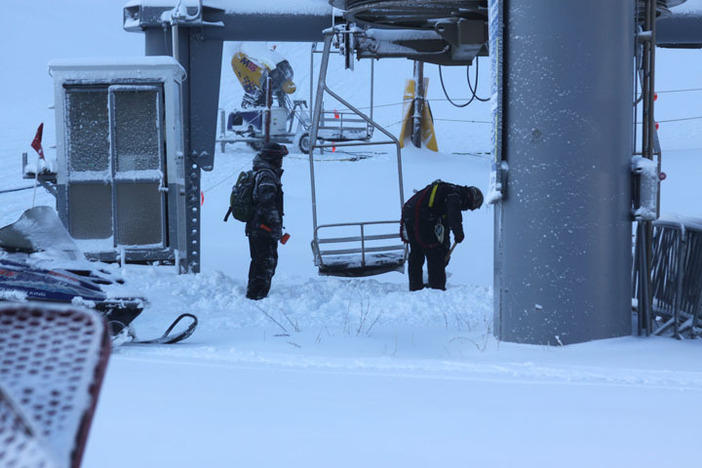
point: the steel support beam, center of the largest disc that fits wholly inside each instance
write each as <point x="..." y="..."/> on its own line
<point x="563" y="226"/>
<point x="194" y="35"/>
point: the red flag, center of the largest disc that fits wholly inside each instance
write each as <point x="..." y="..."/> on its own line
<point x="36" y="143"/>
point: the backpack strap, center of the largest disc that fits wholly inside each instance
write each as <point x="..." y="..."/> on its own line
<point x="257" y="177"/>
<point x="417" y="206"/>
<point x="433" y="195"/>
<point x="259" y="172"/>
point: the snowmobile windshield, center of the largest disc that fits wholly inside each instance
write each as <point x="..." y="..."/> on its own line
<point x="40" y="230"/>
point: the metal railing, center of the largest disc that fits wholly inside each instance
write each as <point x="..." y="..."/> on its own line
<point x="359" y="255"/>
<point x="343" y="126"/>
<point x="676" y="279"/>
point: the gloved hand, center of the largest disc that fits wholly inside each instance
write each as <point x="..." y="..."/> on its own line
<point x="459" y="238"/>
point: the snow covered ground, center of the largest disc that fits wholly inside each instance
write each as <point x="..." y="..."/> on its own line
<point x="359" y="372"/>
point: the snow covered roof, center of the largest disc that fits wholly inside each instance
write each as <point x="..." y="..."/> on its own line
<point x="297" y="7"/>
<point x="156" y="60"/>
<point x="142" y="66"/>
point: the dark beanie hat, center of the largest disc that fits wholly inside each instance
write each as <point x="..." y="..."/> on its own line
<point x="273" y="152"/>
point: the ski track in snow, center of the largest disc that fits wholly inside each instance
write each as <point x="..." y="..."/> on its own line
<point x="523" y="373"/>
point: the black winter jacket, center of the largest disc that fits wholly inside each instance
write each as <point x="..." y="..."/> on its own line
<point x="267" y="220"/>
<point x="421" y="214"/>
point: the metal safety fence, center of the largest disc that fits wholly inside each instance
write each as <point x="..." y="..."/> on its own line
<point x="676" y="279"/>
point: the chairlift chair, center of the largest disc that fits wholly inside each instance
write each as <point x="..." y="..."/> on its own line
<point x="363" y="254"/>
<point x="352" y="249"/>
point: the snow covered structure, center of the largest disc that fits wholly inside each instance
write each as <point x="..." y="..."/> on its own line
<point x="193" y="32"/>
<point x="563" y="223"/>
<point x="563" y="119"/>
<point x="680" y="28"/>
<point x="567" y="188"/>
<point x="120" y="184"/>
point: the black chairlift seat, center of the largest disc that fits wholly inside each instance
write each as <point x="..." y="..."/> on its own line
<point x="365" y="254"/>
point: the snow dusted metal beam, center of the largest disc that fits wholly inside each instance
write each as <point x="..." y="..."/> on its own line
<point x="680" y="30"/>
<point x="260" y="20"/>
<point x="443" y="32"/>
<point x="423" y="45"/>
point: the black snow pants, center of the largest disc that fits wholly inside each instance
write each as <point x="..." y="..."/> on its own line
<point x="436" y="265"/>
<point x="264" y="260"/>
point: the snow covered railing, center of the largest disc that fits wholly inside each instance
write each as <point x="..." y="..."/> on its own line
<point x="676" y="276"/>
<point x="343" y="126"/>
<point x="364" y="254"/>
<point x="52" y="366"/>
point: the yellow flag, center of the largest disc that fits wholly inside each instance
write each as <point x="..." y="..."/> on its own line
<point x="428" y="134"/>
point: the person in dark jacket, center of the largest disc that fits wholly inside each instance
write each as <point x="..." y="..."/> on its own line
<point x="427" y="218"/>
<point x="265" y="228"/>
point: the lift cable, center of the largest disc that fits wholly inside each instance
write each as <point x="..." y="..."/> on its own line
<point x="679" y="120"/>
<point x="16" y="189"/>
<point x="231" y="176"/>
<point x="679" y="90"/>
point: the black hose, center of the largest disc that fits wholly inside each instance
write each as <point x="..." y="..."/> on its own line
<point x="475" y="91"/>
<point x="441" y="78"/>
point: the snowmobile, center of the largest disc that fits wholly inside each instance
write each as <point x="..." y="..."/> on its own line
<point x="39" y="261"/>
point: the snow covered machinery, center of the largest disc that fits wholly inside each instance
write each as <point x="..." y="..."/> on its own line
<point x="41" y="265"/>
<point x="289" y="123"/>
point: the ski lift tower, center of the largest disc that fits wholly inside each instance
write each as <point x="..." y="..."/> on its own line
<point x="563" y="101"/>
<point x="564" y="94"/>
<point x="192" y="32"/>
<point x="563" y="196"/>
<point x="568" y="178"/>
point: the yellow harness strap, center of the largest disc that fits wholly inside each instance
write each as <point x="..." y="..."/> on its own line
<point x="433" y="194"/>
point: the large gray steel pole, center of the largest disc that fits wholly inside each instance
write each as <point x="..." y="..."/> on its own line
<point x="563" y="245"/>
<point x="202" y="61"/>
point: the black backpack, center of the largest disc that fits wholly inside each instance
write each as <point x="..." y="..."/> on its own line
<point x="241" y="203"/>
<point x="412" y="211"/>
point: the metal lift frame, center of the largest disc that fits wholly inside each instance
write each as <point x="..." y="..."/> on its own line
<point x="651" y="150"/>
<point x="338" y="127"/>
<point x="337" y="262"/>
